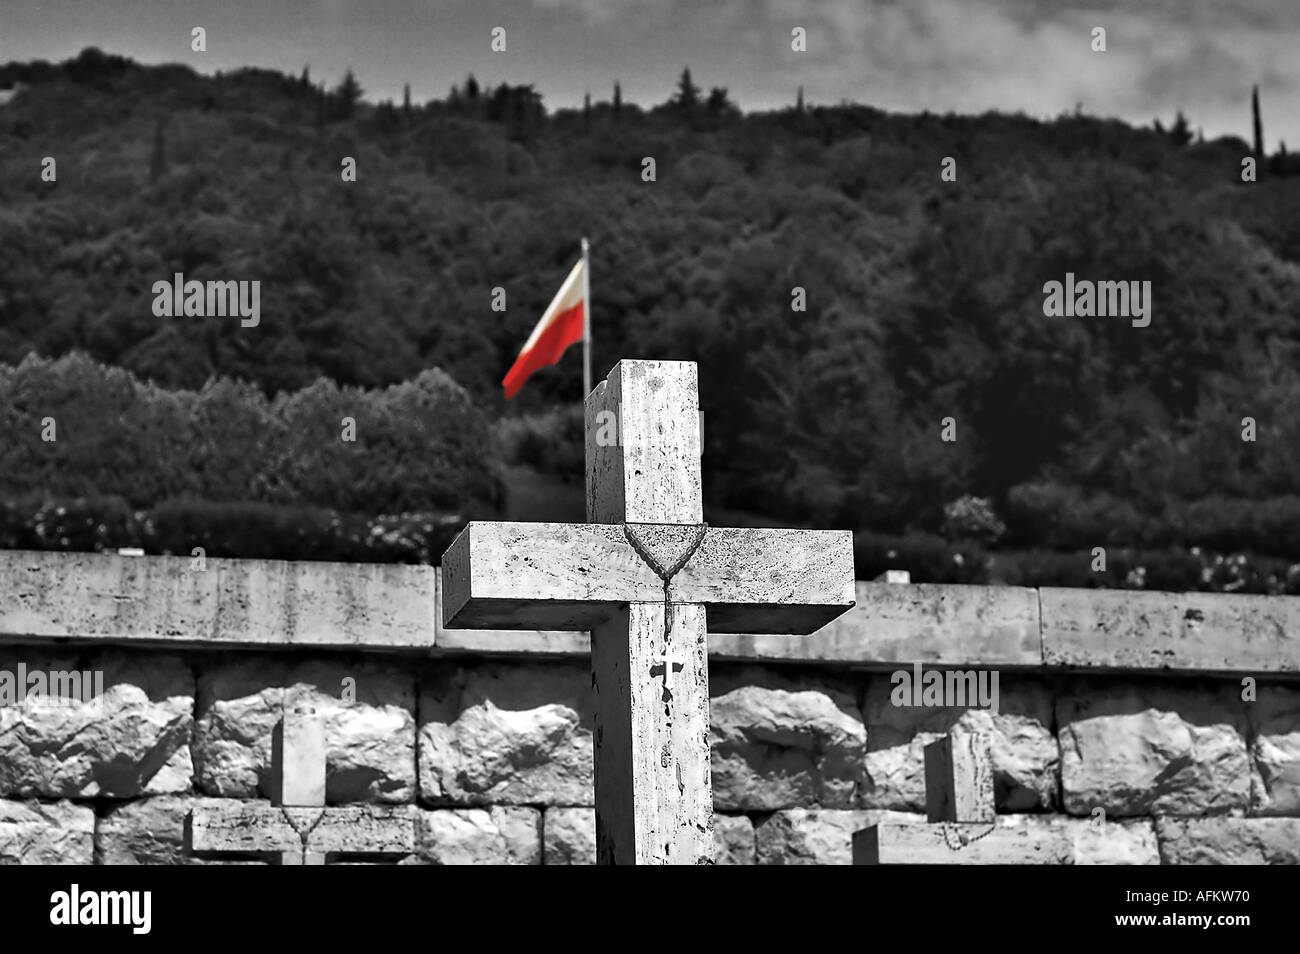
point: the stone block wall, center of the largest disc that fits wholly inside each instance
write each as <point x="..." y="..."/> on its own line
<point x="493" y="756"/>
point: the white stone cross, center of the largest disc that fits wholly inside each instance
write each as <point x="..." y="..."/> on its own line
<point x="959" y="800"/>
<point x="297" y="825"/>
<point x="646" y="576"/>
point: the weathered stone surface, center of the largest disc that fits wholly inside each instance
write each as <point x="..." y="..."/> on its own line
<point x="1013" y="839"/>
<point x="569" y="835"/>
<point x="45" y="833"/>
<point x="733" y="840"/>
<point x="1023" y="748"/>
<point x="1229" y="841"/>
<point x="150" y="831"/>
<point x="480" y="836"/>
<point x="162" y="599"/>
<point x="932" y="623"/>
<point x="1275" y="755"/>
<point x="231" y="826"/>
<point x="1005" y="840"/>
<point x="505" y="735"/>
<point x="800" y="836"/>
<point x="781" y="581"/>
<point x="370" y="741"/>
<point x="779" y="748"/>
<point x="133" y="740"/>
<point x="541" y="576"/>
<point x="1153" y="749"/>
<point x="1128" y="629"/>
<point x="1114" y="843"/>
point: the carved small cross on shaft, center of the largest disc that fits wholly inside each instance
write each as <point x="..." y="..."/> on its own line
<point x="665" y="659"/>
<point x="647" y="576"/>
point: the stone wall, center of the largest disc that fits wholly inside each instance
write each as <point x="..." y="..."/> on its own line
<point x="1165" y="730"/>
<point x="494" y="757"/>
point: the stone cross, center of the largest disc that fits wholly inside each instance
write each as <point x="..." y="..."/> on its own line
<point x="297" y="825"/>
<point x="646" y="577"/>
<point x="964" y="830"/>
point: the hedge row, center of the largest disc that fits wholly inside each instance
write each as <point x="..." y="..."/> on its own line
<point x="1062" y="517"/>
<point x="75" y="428"/>
<point x="222" y="529"/>
<point x="932" y="559"/>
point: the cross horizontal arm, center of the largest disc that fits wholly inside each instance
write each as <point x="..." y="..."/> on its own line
<point x="958" y="843"/>
<point x="344" y="829"/>
<point x="555" y="576"/>
<point x="769" y="581"/>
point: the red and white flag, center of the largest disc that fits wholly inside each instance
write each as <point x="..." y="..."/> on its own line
<point x="562" y="324"/>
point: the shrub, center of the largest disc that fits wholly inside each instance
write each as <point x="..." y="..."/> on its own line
<point x="552" y="442"/>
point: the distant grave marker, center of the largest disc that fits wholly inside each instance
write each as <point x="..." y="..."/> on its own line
<point x="963" y="827"/>
<point x="297" y="826"/>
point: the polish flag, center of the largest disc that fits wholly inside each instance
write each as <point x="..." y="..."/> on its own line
<point x="563" y="323"/>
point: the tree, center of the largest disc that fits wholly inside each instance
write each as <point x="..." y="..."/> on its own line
<point x="349" y="93"/>
<point x="158" y="159"/>
<point x="406" y="100"/>
<point x="471" y="89"/>
<point x="1257" y="122"/>
<point x="718" y="103"/>
<point x="798" y="103"/>
<point x="688" y="94"/>
<point x="586" y="111"/>
<point x="618" y="99"/>
<point x="1181" y="131"/>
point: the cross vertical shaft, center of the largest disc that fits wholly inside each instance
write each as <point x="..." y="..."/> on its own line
<point x="654" y="798"/>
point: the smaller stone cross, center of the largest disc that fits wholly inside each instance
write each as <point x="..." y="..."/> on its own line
<point x="297" y="825"/>
<point x="959" y="798"/>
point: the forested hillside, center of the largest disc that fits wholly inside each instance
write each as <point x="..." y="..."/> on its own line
<point x="924" y="298"/>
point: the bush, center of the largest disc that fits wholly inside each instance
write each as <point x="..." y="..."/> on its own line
<point x="420" y="445"/>
<point x="972" y="518"/>
<point x="553" y="442"/>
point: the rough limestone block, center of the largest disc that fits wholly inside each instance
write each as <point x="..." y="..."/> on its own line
<point x="1024" y="750"/>
<point x="46" y="833"/>
<point x="800" y="836"/>
<point x="1229" y="841"/>
<point x="569" y="835"/>
<point x="1114" y="843"/>
<point x="1127" y="629"/>
<point x="507" y="735"/>
<point x="784" y="741"/>
<point x="1275" y="754"/>
<point x="1171" y="748"/>
<point x="480" y="836"/>
<point x="132" y="741"/>
<point x="370" y="741"/>
<point x="733" y="840"/>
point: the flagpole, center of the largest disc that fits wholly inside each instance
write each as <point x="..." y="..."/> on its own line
<point x="586" y="321"/>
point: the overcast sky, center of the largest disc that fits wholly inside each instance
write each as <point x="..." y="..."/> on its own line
<point x="1201" y="56"/>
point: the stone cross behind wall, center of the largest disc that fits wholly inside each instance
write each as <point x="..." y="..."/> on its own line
<point x="963" y="827"/>
<point x="297" y="826"/>
<point x="646" y="577"/>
